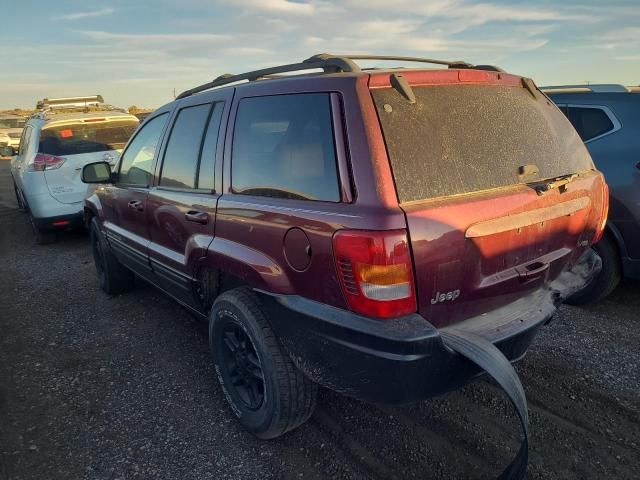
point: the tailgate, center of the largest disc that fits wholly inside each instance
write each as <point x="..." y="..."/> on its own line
<point x="479" y="253"/>
<point x="74" y="143"/>
<point x="65" y="183"/>
<point x="466" y="159"/>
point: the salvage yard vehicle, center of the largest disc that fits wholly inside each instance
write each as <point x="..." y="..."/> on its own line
<point x="56" y="143"/>
<point x="607" y="117"/>
<point x="386" y="233"/>
<point x="12" y="126"/>
<point x="5" y="140"/>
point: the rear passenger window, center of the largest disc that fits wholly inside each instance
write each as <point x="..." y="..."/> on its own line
<point x="208" y="156"/>
<point x="283" y="147"/>
<point x="183" y="148"/>
<point x="590" y="122"/>
<point x="24" y="141"/>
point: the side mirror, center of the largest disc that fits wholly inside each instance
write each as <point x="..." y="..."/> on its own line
<point x="98" y="172"/>
<point x="7" y="151"/>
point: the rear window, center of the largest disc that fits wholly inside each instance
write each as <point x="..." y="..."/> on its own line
<point x="458" y="139"/>
<point x="86" y="137"/>
<point x="590" y="122"/>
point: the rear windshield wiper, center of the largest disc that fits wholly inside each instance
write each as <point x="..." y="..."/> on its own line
<point x="559" y="182"/>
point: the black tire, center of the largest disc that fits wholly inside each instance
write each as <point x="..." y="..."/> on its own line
<point x="113" y="276"/>
<point x="607" y="280"/>
<point x="21" y="205"/>
<point x="42" y="237"/>
<point x="286" y="398"/>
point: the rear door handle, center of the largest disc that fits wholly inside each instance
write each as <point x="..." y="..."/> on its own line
<point x="136" y="205"/>
<point x="197" y="217"/>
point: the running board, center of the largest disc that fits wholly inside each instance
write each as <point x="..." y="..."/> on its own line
<point x="487" y="356"/>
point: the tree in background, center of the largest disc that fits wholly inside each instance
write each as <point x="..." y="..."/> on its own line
<point x="133" y="109"/>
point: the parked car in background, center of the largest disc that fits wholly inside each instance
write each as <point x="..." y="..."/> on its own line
<point x="12" y="126"/>
<point x="4" y="142"/>
<point x="56" y="143"/>
<point x="607" y="117"/>
<point x="353" y="228"/>
<point x="142" y="115"/>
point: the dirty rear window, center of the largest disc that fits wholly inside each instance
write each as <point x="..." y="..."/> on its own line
<point x="86" y="137"/>
<point x="458" y="139"/>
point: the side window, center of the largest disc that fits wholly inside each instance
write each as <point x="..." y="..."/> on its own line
<point x="24" y="140"/>
<point x="283" y="147"/>
<point x="590" y="122"/>
<point x="183" y="148"/>
<point x="137" y="159"/>
<point x="208" y="156"/>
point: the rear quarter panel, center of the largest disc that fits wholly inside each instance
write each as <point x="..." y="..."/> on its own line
<point x="251" y="230"/>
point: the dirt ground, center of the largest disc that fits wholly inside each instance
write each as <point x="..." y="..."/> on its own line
<point x="99" y="387"/>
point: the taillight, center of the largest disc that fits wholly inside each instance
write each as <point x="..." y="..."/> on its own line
<point x="605" y="212"/>
<point x="375" y="272"/>
<point x="43" y="161"/>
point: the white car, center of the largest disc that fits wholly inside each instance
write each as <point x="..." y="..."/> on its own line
<point x="12" y="126"/>
<point x="5" y="140"/>
<point x="56" y="143"/>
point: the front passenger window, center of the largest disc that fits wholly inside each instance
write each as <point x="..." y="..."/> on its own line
<point x="137" y="160"/>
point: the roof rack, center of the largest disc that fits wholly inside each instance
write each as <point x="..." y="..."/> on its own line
<point x="326" y="62"/>
<point x="65" y="102"/>
<point x="47" y="113"/>
<point x="590" y="88"/>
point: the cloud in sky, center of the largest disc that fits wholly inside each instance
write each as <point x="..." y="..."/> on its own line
<point x="181" y="44"/>
<point x="83" y="15"/>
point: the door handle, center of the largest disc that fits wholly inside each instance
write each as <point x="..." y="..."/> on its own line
<point x="136" y="205"/>
<point x="197" y="217"/>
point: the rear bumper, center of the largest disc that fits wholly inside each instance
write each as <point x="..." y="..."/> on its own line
<point x="60" y="222"/>
<point x="403" y="359"/>
<point x="45" y="209"/>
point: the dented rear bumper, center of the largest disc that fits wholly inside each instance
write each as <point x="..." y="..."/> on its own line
<point x="405" y="359"/>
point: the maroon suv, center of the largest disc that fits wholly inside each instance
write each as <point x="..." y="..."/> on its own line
<point x="372" y="231"/>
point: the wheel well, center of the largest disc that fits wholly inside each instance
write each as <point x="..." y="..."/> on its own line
<point x="88" y="215"/>
<point x="211" y="283"/>
<point x="613" y="234"/>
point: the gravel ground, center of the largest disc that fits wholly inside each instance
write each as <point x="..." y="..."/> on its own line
<point x="99" y="387"/>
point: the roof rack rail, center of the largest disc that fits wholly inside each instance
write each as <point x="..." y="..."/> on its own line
<point x="586" y="88"/>
<point x="66" y="102"/>
<point x="328" y="63"/>
<point x="46" y="113"/>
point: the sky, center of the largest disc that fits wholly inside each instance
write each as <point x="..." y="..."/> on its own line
<point x="138" y="52"/>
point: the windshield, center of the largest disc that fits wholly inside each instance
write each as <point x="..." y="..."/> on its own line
<point x="86" y="137"/>
<point x="458" y="139"/>
<point x="12" y="123"/>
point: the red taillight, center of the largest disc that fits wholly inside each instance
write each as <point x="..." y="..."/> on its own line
<point x="61" y="223"/>
<point x="43" y="161"/>
<point x="605" y="212"/>
<point x="375" y="272"/>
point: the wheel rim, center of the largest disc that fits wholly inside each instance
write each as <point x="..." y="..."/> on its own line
<point x="242" y="365"/>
